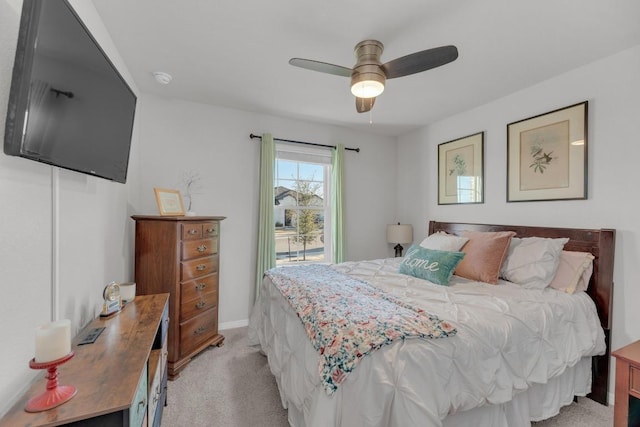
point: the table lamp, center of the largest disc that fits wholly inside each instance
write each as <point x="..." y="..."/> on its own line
<point x="399" y="234"/>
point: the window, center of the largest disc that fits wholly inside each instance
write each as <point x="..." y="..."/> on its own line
<point x="302" y="214"/>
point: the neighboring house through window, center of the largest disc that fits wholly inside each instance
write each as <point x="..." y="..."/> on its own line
<point x="302" y="210"/>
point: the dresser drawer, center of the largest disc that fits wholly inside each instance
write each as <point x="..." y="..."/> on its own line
<point x="199" y="267"/>
<point x="199" y="230"/>
<point x="191" y="231"/>
<point x="197" y="287"/>
<point x="210" y="229"/>
<point x="198" y="248"/>
<point x="190" y="308"/>
<point x="197" y="330"/>
<point x="634" y="380"/>
<point x="138" y="410"/>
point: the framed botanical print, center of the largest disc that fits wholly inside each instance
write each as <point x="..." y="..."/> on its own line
<point x="461" y="170"/>
<point x="547" y="156"/>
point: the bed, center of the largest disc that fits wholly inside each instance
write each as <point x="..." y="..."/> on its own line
<point x="509" y="373"/>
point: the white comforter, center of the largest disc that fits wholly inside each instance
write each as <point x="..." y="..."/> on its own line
<point x="508" y="339"/>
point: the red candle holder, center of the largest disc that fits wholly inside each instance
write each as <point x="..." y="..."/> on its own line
<point x="56" y="394"/>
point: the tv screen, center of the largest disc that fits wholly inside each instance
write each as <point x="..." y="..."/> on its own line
<point x="68" y="105"/>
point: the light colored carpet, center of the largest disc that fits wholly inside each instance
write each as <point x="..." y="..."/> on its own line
<point x="228" y="386"/>
<point x="232" y="386"/>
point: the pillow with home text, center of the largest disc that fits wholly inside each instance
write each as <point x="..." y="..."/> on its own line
<point x="430" y="264"/>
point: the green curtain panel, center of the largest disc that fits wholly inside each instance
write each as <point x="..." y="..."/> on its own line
<point x="337" y="202"/>
<point x="266" y="258"/>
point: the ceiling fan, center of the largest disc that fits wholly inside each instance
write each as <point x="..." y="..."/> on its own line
<point x="368" y="76"/>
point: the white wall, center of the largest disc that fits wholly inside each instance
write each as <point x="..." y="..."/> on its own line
<point x="178" y="136"/>
<point x="612" y="88"/>
<point x="90" y="216"/>
<point x="64" y="235"/>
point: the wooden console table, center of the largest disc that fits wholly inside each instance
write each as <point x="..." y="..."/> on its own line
<point x="121" y="377"/>
<point x="627" y="405"/>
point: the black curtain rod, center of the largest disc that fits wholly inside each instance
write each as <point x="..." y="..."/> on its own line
<point x="252" y="136"/>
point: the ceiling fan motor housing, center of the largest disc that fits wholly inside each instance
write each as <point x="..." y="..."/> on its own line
<point x="368" y="65"/>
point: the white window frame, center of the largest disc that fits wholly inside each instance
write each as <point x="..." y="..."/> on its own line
<point x="307" y="154"/>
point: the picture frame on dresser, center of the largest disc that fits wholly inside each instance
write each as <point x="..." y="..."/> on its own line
<point x="547" y="156"/>
<point x="169" y="202"/>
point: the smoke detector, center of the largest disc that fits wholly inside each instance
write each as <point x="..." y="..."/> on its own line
<point x="162" y="77"/>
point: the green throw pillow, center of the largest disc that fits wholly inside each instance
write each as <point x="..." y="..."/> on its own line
<point x="430" y="264"/>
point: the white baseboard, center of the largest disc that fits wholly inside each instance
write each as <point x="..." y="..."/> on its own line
<point x="234" y="324"/>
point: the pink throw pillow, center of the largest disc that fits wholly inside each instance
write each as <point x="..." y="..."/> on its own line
<point x="484" y="253"/>
<point x="574" y="272"/>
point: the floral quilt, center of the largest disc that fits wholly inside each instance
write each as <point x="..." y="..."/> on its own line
<point x="346" y="318"/>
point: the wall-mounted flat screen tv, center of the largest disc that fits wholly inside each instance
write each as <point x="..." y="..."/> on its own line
<point x="68" y="105"/>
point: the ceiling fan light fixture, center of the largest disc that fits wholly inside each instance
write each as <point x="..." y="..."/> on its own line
<point x="367" y="78"/>
<point x="369" y="75"/>
<point x="367" y="84"/>
<point x="367" y="89"/>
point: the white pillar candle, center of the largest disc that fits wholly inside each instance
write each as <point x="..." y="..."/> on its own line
<point x="53" y="341"/>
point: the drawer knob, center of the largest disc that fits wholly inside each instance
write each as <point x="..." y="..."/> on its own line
<point x="200" y="286"/>
<point x="201" y="267"/>
<point x="202" y="248"/>
<point x="193" y="231"/>
<point x="200" y="330"/>
<point x="210" y="230"/>
<point x="200" y="304"/>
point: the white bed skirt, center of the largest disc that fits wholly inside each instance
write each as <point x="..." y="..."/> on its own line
<point x="538" y="403"/>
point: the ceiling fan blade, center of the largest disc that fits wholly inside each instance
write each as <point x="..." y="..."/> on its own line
<point x="420" y="61"/>
<point x="364" y="104"/>
<point x="322" y="67"/>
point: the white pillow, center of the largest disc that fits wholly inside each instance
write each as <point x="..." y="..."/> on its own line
<point x="574" y="272"/>
<point x="442" y="241"/>
<point x="532" y="261"/>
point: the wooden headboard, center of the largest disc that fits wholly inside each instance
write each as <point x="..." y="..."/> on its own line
<point x="600" y="243"/>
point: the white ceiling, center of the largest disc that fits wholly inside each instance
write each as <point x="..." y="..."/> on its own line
<point x="235" y="53"/>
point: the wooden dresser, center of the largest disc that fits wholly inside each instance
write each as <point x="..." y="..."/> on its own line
<point x="121" y="378"/>
<point x="627" y="405"/>
<point x="179" y="255"/>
